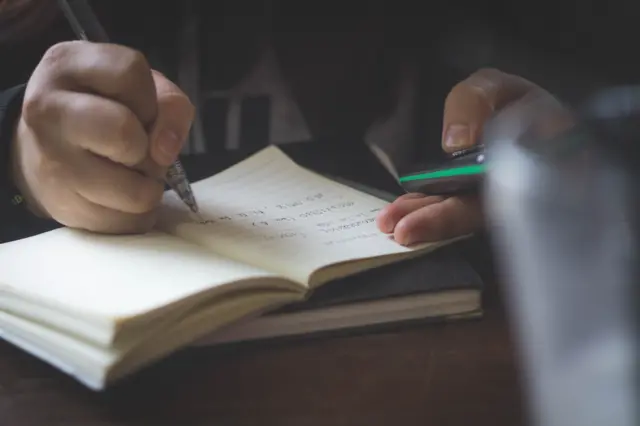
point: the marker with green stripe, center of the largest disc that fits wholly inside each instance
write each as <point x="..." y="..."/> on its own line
<point x="454" y="171"/>
<point x="462" y="173"/>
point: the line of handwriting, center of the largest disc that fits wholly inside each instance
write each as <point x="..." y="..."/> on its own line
<point x="300" y="202"/>
<point x="227" y="218"/>
<point x="341" y="220"/>
<point x="275" y="221"/>
<point x="250" y="213"/>
<point x="323" y="210"/>
<point x="354" y="238"/>
<point x="347" y="226"/>
<point x="286" y="235"/>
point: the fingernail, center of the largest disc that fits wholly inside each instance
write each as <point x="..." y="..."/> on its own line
<point x="457" y="137"/>
<point x="384" y="221"/>
<point x="401" y="234"/>
<point x="167" y="147"/>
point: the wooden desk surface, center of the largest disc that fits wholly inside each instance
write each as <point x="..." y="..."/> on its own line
<point x="451" y="374"/>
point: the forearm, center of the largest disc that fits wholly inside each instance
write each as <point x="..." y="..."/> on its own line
<point x="16" y="221"/>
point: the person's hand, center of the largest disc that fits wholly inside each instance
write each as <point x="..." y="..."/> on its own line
<point x="415" y="218"/>
<point x="97" y="133"/>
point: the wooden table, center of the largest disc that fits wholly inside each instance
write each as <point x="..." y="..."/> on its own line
<point x="452" y="374"/>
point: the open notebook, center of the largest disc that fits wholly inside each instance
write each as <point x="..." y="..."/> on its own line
<point x="100" y="307"/>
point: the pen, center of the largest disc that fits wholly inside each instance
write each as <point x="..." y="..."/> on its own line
<point x="463" y="172"/>
<point x="86" y="26"/>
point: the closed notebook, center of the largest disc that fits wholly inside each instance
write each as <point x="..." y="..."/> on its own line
<point x="101" y="307"/>
<point x="436" y="288"/>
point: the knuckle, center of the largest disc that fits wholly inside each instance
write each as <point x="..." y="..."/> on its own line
<point x="58" y="60"/>
<point x="132" y="82"/>
<point x="482" y="86"/>
<point x="59" y="52"/>
<point x="128" y="147"/>
<point x="131" y="64"/>
<point x="138" y="61"/>
<point x="35" y="107"/>
<point x="485" y="82"/>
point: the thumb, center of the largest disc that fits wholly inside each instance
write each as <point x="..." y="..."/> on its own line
<point x="173" y="121"/>
<point x="472" y="102"/>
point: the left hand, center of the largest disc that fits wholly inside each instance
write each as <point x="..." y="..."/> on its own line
<point x="415" y="218"/>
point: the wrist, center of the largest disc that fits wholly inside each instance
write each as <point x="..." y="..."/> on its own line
<point x="21" y="139"/>
<point x="17" y="217"/>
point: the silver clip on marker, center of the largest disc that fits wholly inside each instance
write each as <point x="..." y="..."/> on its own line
<point x="86" y="26"/>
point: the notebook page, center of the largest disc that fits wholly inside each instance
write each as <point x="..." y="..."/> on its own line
<point x="270" y="212"/>
<point x="112" y="277"/>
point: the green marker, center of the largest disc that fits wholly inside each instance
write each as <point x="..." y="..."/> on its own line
<point x="464" y="172"/>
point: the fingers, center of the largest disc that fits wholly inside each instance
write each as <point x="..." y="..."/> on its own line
<point x="453" y="217"/>
<point x="95" y="218"/>
<point x="174" y="119"/>
<point x="472" y="102"/>
<point x="83" y="150"/>
<point x="107" y="70"/>
<point x="85" y="121"/>
<point x="89" y="192"/>
<point x="415" y="218"/>
<point x="114" y="187"/>
<point x="389" y="217"/>
<point x="110" y="129"/>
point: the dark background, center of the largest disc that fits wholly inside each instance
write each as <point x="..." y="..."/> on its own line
<point x="340" y="57"/>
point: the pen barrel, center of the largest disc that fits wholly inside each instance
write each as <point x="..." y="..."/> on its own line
<point x="563" y="213"/>
<point x="83" y="20"/>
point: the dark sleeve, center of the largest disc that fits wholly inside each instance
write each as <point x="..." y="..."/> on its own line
<point x="16" y="221"/>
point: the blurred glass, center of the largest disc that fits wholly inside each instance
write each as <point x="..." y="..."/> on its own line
<point x="563" y="202"/>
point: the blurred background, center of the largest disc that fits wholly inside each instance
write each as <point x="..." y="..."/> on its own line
<point x="274" y="71"/>
<point x="375" y="70"/>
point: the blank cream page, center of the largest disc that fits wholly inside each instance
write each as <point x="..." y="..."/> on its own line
<point x="112" y="277"/>
<point x="271" y="212"/>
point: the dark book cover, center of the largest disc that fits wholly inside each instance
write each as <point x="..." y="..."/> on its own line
<point x="443" y="270"/>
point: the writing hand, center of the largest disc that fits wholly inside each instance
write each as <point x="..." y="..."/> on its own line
<point x="97" y="133"/>
<point x="414" y="218"/>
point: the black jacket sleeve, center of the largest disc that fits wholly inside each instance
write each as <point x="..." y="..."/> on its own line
<point x="16" y="221"/>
